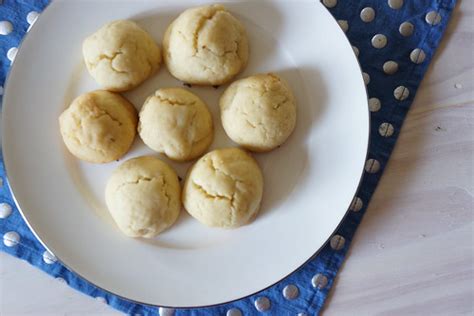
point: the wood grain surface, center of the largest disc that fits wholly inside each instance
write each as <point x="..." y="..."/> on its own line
<point x="413" y="253"/>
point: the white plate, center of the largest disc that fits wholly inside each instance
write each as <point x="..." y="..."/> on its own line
<point x="309" y="182"/>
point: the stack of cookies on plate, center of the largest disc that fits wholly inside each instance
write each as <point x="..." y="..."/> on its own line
<point x="203" y="46"/>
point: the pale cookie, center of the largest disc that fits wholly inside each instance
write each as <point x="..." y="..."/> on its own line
<point x="205" y="45"/>
<point x="99" y="126"/>
<point x="258" y="112"/>
<point x="121" y="55"/>
<point x="224" y="188"/>
<point x="143" y="196"/>
<point x="177" y="123"/>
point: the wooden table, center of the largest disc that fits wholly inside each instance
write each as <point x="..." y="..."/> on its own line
<point x="413" y="253"/>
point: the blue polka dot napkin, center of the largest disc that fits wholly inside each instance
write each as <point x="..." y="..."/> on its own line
<point x="394" y="41"/>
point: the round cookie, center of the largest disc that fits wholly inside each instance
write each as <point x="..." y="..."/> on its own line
<point x="121" y="55"/>
<point x="258" y="112"/>
<point x="205" y="45"/>
<point x="98" y="126"/>
<point x="224" y="188"/>
<point x="143" y="196"/>
<point x="177" y="123"/>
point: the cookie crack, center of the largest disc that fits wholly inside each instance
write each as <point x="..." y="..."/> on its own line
<point x="73" y="135"/>
<point x="103" y="112"/>
<point x="231" y="199"/>
<point x="217" y="169"/>
<point x="261" y="92"/>
<point x="263" y="129"/>
<point x="173" y="102"/>
<point x="111" y="59"/>
<point x="279" y="104"/>
<point x="265" y="85"/>
<point x="204" y="19"/>
<point x="223" y="54"/>
<point x="207" y="68"/>
<point x="250" y="123"/>
<point x="210" y="195"/>
<point x="246" y="115"/>
<point x="164" y="184"/>
<point x="140" y="179"/>
<point x="136" y="181"/>
<point x="192" y="123"/>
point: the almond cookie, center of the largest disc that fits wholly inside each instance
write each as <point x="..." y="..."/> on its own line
<point x="121" y="55"/>
<point x="99" y="126"/>
<point x="205" y="45"/>
<point x="224" y="188"/>
<point x="258" y="112"/>
<point x="177" y="123"/>
<point x="143" y="196"/>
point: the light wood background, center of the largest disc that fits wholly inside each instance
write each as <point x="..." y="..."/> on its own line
<point x="413" y="253"/>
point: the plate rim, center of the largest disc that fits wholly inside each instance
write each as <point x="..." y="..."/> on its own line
<point x="346" y="213"/>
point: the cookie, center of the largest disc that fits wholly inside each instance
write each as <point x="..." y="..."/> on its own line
<point x="205" y="45"/>
<point x="121" y="55"/>
<point x="99" y="126"/>
<point x="143" y="196"/>
<point x="224" y="188"/>
<point x="258" y="112"/>
<point x="177" y="123"/>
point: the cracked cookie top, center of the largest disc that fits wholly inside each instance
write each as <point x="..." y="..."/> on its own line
<point x="143" y="196"/>
<point x="258" y="112"/>
<point x="98" y="126"/>
<point x="177" y="123"/>
<point x="121" y="55"/>
<point x="205" y="45"/>
<point x="224" y="188"/>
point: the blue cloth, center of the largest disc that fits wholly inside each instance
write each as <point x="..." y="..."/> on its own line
<point x="316" y="278"/>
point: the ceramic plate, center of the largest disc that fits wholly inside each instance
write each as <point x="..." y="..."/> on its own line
<point x="309" y="181"/>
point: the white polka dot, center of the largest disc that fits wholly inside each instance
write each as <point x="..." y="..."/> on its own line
<point x="262" y="304"/>
<point x="5" y="210"/>
<point x="356" y="51"/>
<point x="11" y="54"/>
<point x="372" y="166"/>
<point x="395" y="4"/>
<point x="433" y="18"/>
<point x="234" y="312"/>
<point x="390" y="67"/>
<point x="379" y="41"/>
<point x="319" y="281"/>
<point x="101" y="299"/>
<point x="386" y="129"/>
<point x="61" y="280"/>
<point x="49" y="258"/>
<point x="406" y="29"/>
<point x="290" y="292"/>
<point x="366" y="78"/>
<point x="11" y="239"/>
<point x="31" y="17"/>
<point x="401" y="93"/>
<point x="374" y="104"/>
<point x="343" y="24"/>
<point x="302" y="314"/>
<point x="5" y="27"/>
<point x="337" y="242"/>
<point x="417" y="56"/>
<point x="163" y="311"/>
<point x="330" y="3"/>
<point x="367" y="14"/>
<point x="356" y="204"/>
